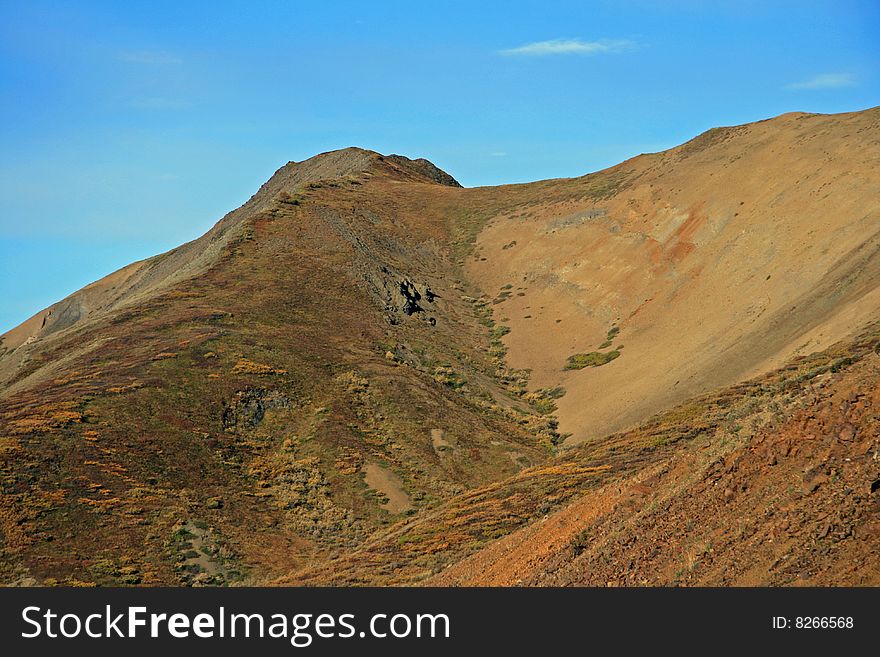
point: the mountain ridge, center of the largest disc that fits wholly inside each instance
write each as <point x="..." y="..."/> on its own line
<point x="288" y="178"/>
<point x="369" y="374"/>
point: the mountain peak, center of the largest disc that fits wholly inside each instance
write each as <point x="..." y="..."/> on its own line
<point x="353" y="160"/>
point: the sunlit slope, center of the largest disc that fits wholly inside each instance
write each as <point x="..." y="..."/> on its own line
<point x="356" y="378"/>
<point x="707" y="263"/>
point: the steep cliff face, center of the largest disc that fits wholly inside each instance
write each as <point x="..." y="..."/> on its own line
<point x="368" y="374"/>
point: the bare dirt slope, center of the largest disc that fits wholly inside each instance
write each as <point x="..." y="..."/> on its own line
<point x="716" y="260"/>
<point x="360" y="377"/>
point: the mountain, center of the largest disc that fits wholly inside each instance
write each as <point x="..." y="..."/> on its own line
<point x="663" y="372"/>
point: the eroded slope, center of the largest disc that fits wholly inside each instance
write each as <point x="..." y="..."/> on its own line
<point x="708" y="263"/>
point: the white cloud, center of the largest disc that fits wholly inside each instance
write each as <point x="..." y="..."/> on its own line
<point x="569" y="47"/>
<point x="151" y="57"/>
<point x="825" y="81"/>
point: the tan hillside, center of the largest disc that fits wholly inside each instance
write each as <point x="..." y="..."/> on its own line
<point x="664" y="372"/>
<point x="717" y="260"/>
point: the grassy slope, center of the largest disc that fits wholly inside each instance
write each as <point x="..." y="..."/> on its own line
<point x="772" y="481"/>
<point x="143" y="461"/>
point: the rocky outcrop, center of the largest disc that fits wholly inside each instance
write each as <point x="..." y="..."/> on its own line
<point x="400" y="295"/>
<point x="249" y="406"/>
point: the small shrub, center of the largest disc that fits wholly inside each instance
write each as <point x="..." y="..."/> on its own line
<point x="592" y="359"/>
<point x="447" y="376"/>
<point x="580" y="543"/>
<point x="553" y="393"/>
<point x="609" y="338"/>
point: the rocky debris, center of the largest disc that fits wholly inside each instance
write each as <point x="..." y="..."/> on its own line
<point x="411" y="296"/>
<point x="249" y="406"/>
<point x="745" y="521"/>
<point x="575" y="219"/>
<point x="399" y="294"/>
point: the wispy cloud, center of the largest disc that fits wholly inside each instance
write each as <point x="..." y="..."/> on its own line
<point x="569" y="47"/>
<point x="825" y="81"/>
<point x="150" y="57"/>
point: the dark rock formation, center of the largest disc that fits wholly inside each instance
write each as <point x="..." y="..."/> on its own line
<point x="249" y="407"/>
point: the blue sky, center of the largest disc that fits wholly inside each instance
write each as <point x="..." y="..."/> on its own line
<point x="130" y="127"/>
